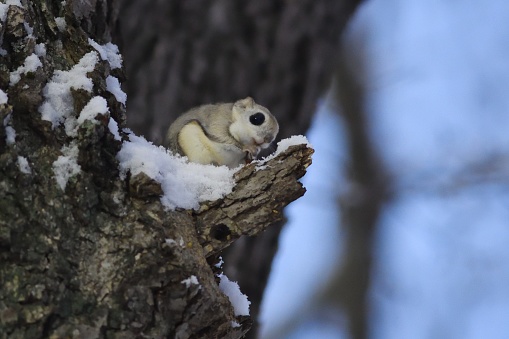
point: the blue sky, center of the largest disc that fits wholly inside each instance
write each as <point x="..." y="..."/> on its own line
<point x="438" y="106"/>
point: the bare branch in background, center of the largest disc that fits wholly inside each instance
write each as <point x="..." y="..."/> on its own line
<point x="361" y="205"/>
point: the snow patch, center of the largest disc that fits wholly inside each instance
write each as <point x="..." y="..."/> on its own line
<point x="23" y="165"/>
<point x="5" y="7"/>
<point x="282" y="146"/>
<point x="219" y="263"/>
<point x="28" y="29"/>
<point x="113" y="86"/>
<point x="184" y="184"/>
<point x="10" y="133"/>
<point x="66" y="166"/>
<point x="58" y="103"/>
<point x="14" y="3"/>
<point x="40" y="50"/>
<point x="61" y="24"/>
<point x="192" y="280"/>
<point x="3" y="97"/>
<point x="31" y="64"/>
<point x="174" y="242"/>
<point x="96" y="105"/>
<point x="113" y="127"/>
<point x="109" y="52"/>
<point x="3" y="12"/>
<point x="238" y="300"/>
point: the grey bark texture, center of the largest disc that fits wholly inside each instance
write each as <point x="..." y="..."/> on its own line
<point x="181" y="54"/>
<point x="92" y="260"/>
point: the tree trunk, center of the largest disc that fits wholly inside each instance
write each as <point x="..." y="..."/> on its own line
<point x="83" y="252"/>
<point x="181" y="54"/>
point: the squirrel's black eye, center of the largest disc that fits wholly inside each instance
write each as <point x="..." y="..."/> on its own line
<point x="257" y="119"/>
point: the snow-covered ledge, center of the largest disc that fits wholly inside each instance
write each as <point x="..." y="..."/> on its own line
<point x="225" y="203"/>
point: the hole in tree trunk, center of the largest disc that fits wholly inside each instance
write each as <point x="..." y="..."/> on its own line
<point x="220" y="232"/>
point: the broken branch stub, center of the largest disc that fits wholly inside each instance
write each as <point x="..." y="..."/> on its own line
<point x="261" y="192"/>
<point x="262" y="189"/>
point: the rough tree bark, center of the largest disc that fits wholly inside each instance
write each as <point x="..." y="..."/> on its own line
<point x="180" y="54"/>
<point x="91" y="259"/>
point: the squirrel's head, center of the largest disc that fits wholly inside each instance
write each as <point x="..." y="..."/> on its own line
<point x="253" y="125"/>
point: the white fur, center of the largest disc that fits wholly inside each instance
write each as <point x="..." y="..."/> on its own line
<point x="222" y="134"/>
<point x="202" y="150"/>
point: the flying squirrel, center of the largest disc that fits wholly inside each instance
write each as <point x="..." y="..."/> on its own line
<point x="227" y="134"/>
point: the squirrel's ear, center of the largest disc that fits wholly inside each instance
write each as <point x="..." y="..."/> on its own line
<point x="245" y="103"/>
